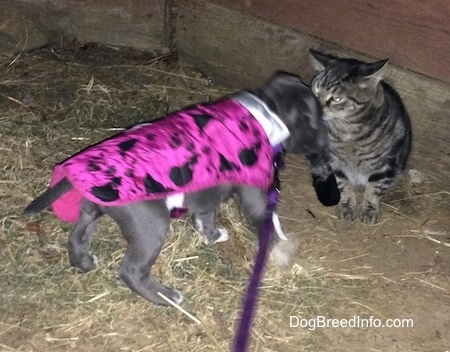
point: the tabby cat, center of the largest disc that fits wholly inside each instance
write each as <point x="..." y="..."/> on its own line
<point x="369" y="131"/>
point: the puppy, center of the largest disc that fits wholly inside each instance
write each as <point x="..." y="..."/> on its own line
<point x="192" y="159"/>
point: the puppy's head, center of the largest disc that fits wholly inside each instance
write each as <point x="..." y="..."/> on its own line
<point x="298" y="108"/>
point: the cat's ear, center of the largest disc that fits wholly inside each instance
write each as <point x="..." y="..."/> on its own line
<point x="371" y="74"/>
<point x="373" y="70"/>
<point x="320" y="60"/>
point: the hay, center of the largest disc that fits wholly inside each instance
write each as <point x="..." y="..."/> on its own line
<point x="56" y="102"/>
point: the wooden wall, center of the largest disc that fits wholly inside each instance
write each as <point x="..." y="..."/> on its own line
<point x="140" y="24"/>
<point x="243" y="50"/>
<point x="241" y="42"/>
<point x="413" y="34"/>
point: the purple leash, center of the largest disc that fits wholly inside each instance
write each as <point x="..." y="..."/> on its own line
<point x="242" y="336"/>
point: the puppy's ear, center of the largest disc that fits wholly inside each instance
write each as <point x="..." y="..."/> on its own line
<point x="280" y="79"/>
<point x="274" y="90"/>
<point x="299" y="109"/>
<point x="308" y="133"/>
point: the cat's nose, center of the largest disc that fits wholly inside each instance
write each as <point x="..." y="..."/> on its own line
<point x="323" y="100"/>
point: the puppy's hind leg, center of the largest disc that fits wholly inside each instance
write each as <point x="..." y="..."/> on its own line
<point x="203" y="205"/>
<point x="81" y="237"/>
<point x="144" y="226"/>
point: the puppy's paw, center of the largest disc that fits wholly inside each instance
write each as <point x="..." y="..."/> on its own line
<point x="175" y="296"/>
<point x="327" y="190"/>
<point x="85" y="263"/>
<point x="223" y="235"/>
<point x="282" y="252"/>
<point x="94" y="261"/>
<point x="220" y="235"/>
<point x="166" y="296"/>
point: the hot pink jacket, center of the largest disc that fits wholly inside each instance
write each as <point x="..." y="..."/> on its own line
<point x="201" y="147"/>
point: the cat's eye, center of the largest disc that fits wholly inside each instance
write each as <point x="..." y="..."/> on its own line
<point x="335" y="99"/>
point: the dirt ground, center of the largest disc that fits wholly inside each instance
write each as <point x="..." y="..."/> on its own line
<point x="56" y="101"/>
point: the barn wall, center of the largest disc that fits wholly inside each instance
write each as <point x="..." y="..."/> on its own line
<point x="17" y="31"/>
<point x="139" y="24"/>
<point x="241" y="42"/>
<point x="235" y="47"/>
<point x="413" y="34"/>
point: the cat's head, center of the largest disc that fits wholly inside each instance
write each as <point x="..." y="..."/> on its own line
<point x="346" y="87"/>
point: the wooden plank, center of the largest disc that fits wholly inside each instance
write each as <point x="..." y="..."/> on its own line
<point x="18" y="33"/>
<point x="133" y="23"/>
<point x="230" y="44"/>
<point x="241" y="50"/>
<point x="413" y="34"/>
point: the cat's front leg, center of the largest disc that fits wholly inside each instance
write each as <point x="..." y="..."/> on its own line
<point x="371" y="213"/>
<point x="346" y="209"/>
<point x="377" y="186"/>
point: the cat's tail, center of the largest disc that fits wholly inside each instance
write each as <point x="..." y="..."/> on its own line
<point x="48" y="197"/>
<point x="323" y="178"/>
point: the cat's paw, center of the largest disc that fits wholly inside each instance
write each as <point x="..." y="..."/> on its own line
<point x="345" y="213"/>
<point x="370" y="216"/>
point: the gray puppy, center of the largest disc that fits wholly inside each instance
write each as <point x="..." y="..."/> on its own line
<point x="193" y="160"/>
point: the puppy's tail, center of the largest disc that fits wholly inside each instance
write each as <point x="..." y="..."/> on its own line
<point x="48" y="197"/>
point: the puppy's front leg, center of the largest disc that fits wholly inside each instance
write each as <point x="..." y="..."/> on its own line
<point x="254" y="202"/>
<point x="144" y="226"/>
<point x="203" y="205"/>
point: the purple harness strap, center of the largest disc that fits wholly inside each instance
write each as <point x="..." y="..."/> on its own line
<point x="242" y="336"/>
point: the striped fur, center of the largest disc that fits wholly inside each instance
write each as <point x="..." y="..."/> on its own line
<point x="369" y="131"/>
